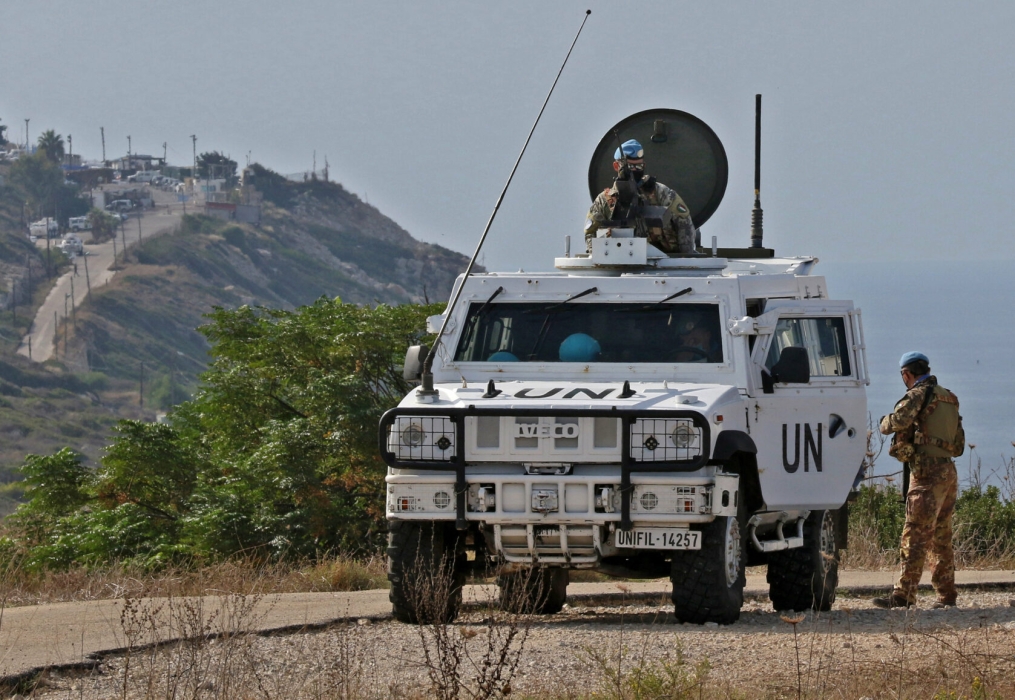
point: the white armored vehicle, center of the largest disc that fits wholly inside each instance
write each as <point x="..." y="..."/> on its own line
<point x="635" y="413"/>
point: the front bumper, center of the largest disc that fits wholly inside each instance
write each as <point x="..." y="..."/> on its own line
<point x="632" y="457"/>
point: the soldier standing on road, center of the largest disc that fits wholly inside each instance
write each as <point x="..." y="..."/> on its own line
<point x="676" y="237"/>
<point x="928" y="434"/>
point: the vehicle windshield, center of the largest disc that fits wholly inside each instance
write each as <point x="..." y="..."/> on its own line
<point x="591" y="332"/>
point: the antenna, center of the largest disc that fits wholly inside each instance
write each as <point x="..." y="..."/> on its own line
<point x="427" y="390"/>
<point x="102" y="130"/>
<point x="757" y="232"/>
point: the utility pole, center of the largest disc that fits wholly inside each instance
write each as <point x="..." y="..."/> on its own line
<point x="123" y="235"/>
<point x="128" y="153"/>
<point x="102" y="130"/>
<point x="163" y="154"/>
<point x="48" y="261"/>
<point x="28" y="142"/>
<point x="88" y="281"/>
<point x="193" y="140"/>
<point x="70" y="147"/>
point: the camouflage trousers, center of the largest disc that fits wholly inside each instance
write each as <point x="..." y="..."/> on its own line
<point x="933" y="487"/>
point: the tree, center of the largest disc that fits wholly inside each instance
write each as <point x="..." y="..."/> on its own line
<point x="103" y="225"/>
<point x="39" y="179"/>
<point x="276" y="456"/>
<point x="51" y="144"/>
<point x="215" y="164"/>
<point x="3" y="136"/>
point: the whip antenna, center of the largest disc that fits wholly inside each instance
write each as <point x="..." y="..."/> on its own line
<point x="426" y="375"/>
<point x="757" y="225"/>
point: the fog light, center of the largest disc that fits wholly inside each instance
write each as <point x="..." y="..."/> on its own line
<point x="442" y="499"/>
<point x="649" y="500"/>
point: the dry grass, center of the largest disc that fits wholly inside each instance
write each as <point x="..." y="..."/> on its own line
<point x="239" y="576"/>
<point x="812" y="656"/>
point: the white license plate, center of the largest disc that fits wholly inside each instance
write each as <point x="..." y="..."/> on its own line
<point x="659" y="538"/>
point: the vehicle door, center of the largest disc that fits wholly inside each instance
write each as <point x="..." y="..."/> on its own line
<point x="810" y="430"/>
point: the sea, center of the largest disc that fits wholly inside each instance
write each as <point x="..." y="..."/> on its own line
<point x="958" y="314"/>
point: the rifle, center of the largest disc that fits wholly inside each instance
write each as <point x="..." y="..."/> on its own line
<point x="905" y="465"/>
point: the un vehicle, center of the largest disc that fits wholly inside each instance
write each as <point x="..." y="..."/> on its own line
<point x="636" y="413"/>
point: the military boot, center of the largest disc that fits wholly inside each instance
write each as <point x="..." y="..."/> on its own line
<point x="892" y="601"/>
<point x="942" y="603"/>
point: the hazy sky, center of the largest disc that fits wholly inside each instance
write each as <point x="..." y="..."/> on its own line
<point x="888" y="128"/>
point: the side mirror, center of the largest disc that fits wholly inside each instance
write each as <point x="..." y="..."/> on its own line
<point x="412" y="370"/>
<point x="793" y="367"/>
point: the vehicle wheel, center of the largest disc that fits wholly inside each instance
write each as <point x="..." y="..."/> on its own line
<point x="426" y="567"/>
<point x="533" y="591"/>
<point x="805" y="578"/>
<point x="708" y="584"/>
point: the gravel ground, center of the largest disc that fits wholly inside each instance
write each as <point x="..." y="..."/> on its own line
<point x="853" y="651"/>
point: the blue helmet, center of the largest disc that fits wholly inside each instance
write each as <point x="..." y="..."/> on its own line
<point x="579" y="347"/>
<point x="632" y="149"/>
<point x="502" y="356"/>
<point x="911" y="357"/>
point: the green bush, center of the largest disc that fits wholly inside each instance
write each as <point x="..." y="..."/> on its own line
<point x="880" y="508"/>
<point x="984" y="524"/>
<point x="275" y="456"/>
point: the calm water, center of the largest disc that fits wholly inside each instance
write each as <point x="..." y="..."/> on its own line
<point x="959" y="314"/>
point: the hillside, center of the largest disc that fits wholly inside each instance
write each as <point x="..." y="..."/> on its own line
<point x="315" y="239"/>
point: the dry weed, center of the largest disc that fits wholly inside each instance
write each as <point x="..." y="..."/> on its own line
<point x="241" y="576"/>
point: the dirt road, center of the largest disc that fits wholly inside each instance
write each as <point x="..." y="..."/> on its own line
<point x="99" y="263"/>
<point x="68" y="634"/>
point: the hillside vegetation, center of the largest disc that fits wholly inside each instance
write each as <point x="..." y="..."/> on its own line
<point x="315" y="240"/>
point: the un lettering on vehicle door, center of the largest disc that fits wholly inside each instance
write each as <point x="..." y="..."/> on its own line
<point x="811" y="436"/>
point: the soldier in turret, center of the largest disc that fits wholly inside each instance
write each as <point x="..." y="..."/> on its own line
<point x="676" y="236"/>
<point x="928" y="434"/>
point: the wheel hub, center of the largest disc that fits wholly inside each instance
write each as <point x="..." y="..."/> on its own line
<point x="827" y="542"/>
<point x="733" y="551"/>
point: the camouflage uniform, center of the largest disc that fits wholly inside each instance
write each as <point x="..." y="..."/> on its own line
<point x="927" y="438"/>
<point x="678" y="238"/>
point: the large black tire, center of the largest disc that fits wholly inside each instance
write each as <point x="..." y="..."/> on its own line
<point x="805" y="578"/>
<point x="534" y="591"/>
<point x="708" y="584"/>
<point x="426" y="567"/>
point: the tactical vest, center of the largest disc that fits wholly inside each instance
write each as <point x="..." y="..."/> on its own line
<point x="936" y="432"/>
<point x="939" y="430"/>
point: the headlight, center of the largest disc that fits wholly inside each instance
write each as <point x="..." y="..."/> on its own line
<point x="422" y="438"/>
<point x="413" y="436"/>
<point x="665" y="440"/>
<point x="683" y="435"/>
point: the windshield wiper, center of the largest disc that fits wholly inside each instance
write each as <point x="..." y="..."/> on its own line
<point x="473" y="321"/>
<point x="554" y="307"/>
<point x="654" y="306"/>
<point x="479" y="312"/>
<point x="546" y="320"/>
<point x="681" y="293"/>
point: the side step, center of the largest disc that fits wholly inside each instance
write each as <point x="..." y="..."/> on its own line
<point x="780" y="542"/>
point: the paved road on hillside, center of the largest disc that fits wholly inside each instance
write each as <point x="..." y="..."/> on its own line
<point x="62" y="634"/>
<point x="164" y="217"/>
